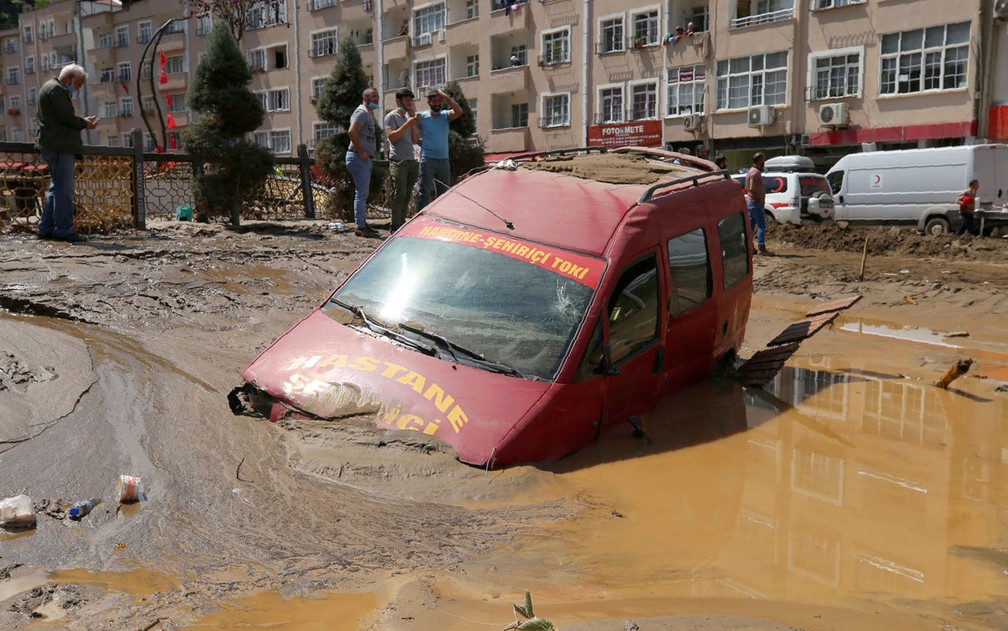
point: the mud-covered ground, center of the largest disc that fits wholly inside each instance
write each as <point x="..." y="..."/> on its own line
<point x="116" y="356"/>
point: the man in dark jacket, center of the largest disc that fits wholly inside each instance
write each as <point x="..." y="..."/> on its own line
<point x="59" y="140"/>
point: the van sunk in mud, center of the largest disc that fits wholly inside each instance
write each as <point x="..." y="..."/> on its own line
<point x="530" y="307"/>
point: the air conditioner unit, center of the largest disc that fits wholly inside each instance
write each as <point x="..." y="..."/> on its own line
<point x="692" y="122"/>
<point x="424" y="39"/>
<point x="441" y="36"/>
<point x="1001" y="9"/>
<point x="833" y="115"/>
<point x="761" y="115"/>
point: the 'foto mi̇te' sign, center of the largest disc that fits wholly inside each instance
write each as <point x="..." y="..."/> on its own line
<point x="636" y="133"/>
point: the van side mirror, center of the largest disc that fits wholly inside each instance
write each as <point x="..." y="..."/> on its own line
<point x="605" y="366"/>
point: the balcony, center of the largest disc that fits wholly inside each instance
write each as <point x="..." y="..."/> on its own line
<point x="689" y="50"/>
<point x="171" y="42"/>
<point x="507" y="139"/>
<point x="762" y="18"/>
<point x="501" y="22"/>
<point x="181" y="118"/>
<point x="175" y="83"/>
<point x="509" y="79"/>
<point x="396" y="47"/>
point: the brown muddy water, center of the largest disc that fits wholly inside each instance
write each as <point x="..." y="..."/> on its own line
<point x="848" y="494"/>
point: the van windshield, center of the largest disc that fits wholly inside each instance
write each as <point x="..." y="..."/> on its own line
<point x="835" y="179"/>
<point x="810" y="185"/>
<point x="514" y="303"/>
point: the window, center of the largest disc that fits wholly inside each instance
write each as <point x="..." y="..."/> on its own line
<point x="279" y="100"/>
<point x="18" y="134"/>
<point x="749" y="12"/>
<point x="143" y="32"/>
<point x="257" y="60"/>
<point x="315" y="5"/>
<point x="10" y="45"/>
<point x="145" y="71"/>
<point x="13" y="75"/>
<point x="925" y="59"/>
<point x="122" y="39"/>
<point x="15" y="103"/>
<point x="686" y="90"/>
<point x="147" y="105"/>
<point x="472" y="9"/>
<point x="321" y="131"/>
<point x="521" y="52"/>
<point x="29" y="64"/>
<point x="556" y="47"/>
<point x="555" y="110"/>
<point x="261" y="138"/>
<point x="280" y="141"/>
<point x="32" y="97"/>
<point x="324" y="43"/>
<point x="699" y="16"/>
<point x="644" y="100"/>
<point x="836" y="74"/>
<point x="756" y="80"/>
<point x="175" y="65"/>
<point x="178" y="102"/>
<point x="263" y="100"/>
<point x="279" y="57"/>
<point x="472" y="108"/>
<point x="126" y="106"/>
<point x="734" y="248"/>
<point x="689" y="264"/>
<point x="429" y="19"/>
<point x="125" y="71"/>
<point x="44" y="63"/>
<point x="149" y="142"/>
<point x="832" y="4"/>
<point x="317" y="85"/>
<point x="112" y="140"/>
<point x="611" y="104"/>
<point x="645" y="27"/>
<point x="107" y="75"/>
<point x="430" y="73"/>
<point x="204" y="23"/>
<point x="472" y="66"/>
<point x="612" y="35"/>
<point x="27" y="33"/>
<point x="127" y="139"/>
<point x="519" y="114"/>
<point x="267" y="13"/>
<point x="633" y="309"/>
<point x="110" y="109"/>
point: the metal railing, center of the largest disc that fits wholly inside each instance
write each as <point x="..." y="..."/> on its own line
<point x="762" y="18"/>
<point x="121" y="187"/>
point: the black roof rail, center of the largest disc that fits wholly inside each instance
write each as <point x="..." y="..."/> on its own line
<point x="649" y="194"/>
<point x="559" y="153"/>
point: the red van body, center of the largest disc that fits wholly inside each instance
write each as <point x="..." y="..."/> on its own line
<point x="581" y="304"/>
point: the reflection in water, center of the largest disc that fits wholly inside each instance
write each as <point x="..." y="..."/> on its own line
<point x="833" y="488"/>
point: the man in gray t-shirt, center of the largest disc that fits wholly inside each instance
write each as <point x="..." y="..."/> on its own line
<point x="358" y="158"/>
<point x="401" y="129"/>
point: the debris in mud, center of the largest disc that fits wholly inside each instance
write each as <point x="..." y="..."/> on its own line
<point x="957" y="334"/>
<point x="47" y="602"/>
<point x="17" y="512"/>
<point x="52" y="507"/>
<point x="15" y="374"/>
<point x="960" y="368"/>
<point x="129" y="489"/>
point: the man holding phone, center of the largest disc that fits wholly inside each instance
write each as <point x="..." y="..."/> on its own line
<point x="401" y="129"/>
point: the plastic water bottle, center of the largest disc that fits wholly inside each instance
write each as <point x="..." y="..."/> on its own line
<point x="81" y="508"/>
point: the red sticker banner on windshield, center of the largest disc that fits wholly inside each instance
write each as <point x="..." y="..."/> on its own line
<point x="584" y="269"/>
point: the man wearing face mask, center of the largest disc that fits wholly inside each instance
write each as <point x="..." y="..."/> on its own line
<point x="59" y="141"/>
<point x="358" y="158"/>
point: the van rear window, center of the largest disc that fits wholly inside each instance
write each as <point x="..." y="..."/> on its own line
<point x="810" y="185"/>
<point x="775" y="184"/>
<point x="734" y="248"/>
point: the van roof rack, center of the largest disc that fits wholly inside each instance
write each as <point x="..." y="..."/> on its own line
<point x="559" y="153"/>
<point x="695" y="180"/>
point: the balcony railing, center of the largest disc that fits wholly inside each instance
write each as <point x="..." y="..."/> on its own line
<point x="762" y="18"/>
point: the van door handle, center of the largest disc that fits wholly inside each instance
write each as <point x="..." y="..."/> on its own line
<point x="841" y="199"/>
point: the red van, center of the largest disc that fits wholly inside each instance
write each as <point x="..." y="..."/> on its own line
<point x="530" y="307"/>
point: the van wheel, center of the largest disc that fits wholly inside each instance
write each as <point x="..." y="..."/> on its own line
<point x="937" y="226"/>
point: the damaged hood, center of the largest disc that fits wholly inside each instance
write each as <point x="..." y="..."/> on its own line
<point x="329" y="370"/>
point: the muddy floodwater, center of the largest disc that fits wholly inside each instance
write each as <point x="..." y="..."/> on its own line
<point x="849" y="493"/>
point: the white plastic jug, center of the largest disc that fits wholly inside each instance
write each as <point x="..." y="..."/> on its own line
<point x="17" y="511"/>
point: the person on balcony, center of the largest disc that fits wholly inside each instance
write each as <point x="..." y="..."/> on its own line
<point x="59" y="141"/>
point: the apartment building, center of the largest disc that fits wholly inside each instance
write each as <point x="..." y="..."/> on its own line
<point x="816" y="76"/>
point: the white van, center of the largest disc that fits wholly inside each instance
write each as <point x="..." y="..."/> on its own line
<point x="794" y="191"/>
<point x="916" y="186"/>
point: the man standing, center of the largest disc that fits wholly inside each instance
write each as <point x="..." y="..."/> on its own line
<point x="755" y="193"/>
<point x="967" y="206"/>
<point x="358" y="158"/>
<point x="59" y="141"/>
<point x="402" y="133"/>
<point x="435" y="171"/>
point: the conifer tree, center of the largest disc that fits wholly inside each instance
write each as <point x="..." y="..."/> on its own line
<point x="341" y="94"/>
<point x="236" y="167"/>
<point x="463" y="155"/>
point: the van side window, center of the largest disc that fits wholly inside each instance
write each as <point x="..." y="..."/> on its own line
<point x="633" y="309"/>
<point x="689" y="264"/>
<point x="734" y="250"/>
<point x="835" y="180"/>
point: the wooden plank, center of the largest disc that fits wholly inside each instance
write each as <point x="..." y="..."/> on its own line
<point x="803" y="330"/>
<point x="836" y="305"/>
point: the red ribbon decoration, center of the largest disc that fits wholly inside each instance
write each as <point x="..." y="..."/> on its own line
<point x="171" y="123"/>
